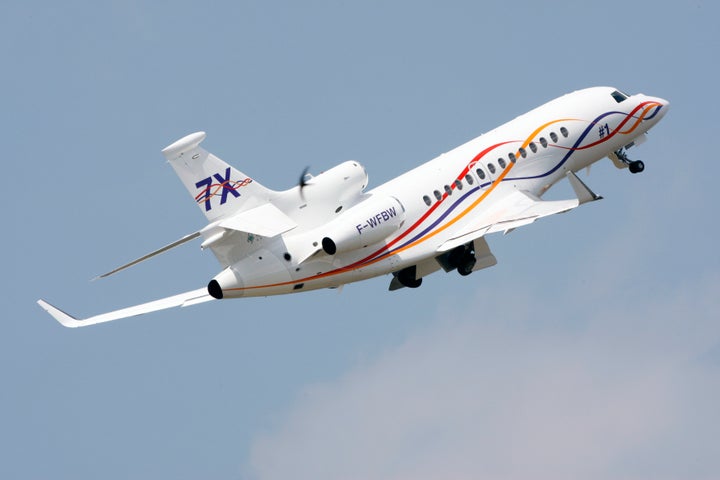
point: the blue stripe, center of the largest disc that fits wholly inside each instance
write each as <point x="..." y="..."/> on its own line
<point x="572" y="149"/>
<point x="657" y="109"/>
<point x="433" y="225"/>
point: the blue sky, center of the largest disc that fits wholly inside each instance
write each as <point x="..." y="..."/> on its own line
<point x="592" y="350"/>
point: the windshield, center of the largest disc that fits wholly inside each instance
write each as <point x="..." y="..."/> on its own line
<point x="619" y="96"/>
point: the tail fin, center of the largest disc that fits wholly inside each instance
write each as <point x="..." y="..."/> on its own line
<point x="219" y="189"/>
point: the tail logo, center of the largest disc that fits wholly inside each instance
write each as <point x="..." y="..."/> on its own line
<point x="224" y="187"/>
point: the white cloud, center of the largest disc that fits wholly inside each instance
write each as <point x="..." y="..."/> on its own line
<point x="629" y="391"/>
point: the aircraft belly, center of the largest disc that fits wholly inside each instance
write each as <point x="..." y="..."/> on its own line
<point x="315" y="281"/>
<point x="261" y="268"/>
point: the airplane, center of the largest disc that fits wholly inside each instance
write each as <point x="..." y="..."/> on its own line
<point x="328" y="230"/>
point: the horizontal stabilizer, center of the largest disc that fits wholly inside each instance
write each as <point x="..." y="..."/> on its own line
<point x="182" y="300"/>
<point x="176" y="243"/>
<point x="266" y="220"/>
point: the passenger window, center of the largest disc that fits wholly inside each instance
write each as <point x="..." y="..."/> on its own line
<point x="512" y="157"/>
<point x="491" y="167"/>
<point x="448" y="190"/>
<point x="458" y="184"/>
<point x="533" y="147"/>
<point x="564" y="131"/>
<point x="427" y="200"/>
<point x="523" y="153"/>
<point x="437" y="194"/>
<point x="543" y="142"/>
<point x="480" y="173"/>
<point x="553" y="137"/>
<point x="469" y="179"/>
<point x="501" y="162"/>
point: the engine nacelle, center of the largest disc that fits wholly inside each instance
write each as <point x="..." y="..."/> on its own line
<point x="340" y="183"/>
<point x="366" y="223"/>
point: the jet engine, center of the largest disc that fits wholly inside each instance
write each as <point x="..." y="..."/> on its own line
<point x="337" y="185"/>
<point x="366" y="223"/>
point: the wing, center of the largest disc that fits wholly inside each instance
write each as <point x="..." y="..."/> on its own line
<point x="265" y="220"/>
<point x="517" y="209"/>
<point x="182" y="300"/>
<point x="176" y="243"/>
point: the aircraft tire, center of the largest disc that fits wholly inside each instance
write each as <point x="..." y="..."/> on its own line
<point x="466" y="269"/>
<point x="637" y="166"/>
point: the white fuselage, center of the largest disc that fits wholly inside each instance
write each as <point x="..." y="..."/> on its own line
<point x="328" y="231"/>
<point x="441" y="197"/>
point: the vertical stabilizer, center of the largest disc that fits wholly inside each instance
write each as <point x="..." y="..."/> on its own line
<point x="219" y="189"/>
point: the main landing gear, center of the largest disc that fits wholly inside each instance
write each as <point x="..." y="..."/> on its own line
<point x="635" y="166"/>
<point x="463" y="259"/>
<point x="405" y="278"/>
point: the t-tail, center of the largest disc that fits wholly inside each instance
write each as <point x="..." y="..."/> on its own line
<point x="218" y="189"/>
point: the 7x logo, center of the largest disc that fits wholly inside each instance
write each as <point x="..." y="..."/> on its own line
<point x="224" y="187"/>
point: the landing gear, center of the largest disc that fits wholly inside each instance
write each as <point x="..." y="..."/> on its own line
<point x="467" y="268"/>
<point x="406" y="277"/>
<point x="463" y="259"/>
<point x="635" y="166"/>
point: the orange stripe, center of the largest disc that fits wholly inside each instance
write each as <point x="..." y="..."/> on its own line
<point x="495" y="183"/>
<point x="640" y="119"/>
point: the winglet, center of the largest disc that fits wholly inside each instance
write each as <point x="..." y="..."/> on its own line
<point x="583" y="192"/>
<point x="62" y="317"/>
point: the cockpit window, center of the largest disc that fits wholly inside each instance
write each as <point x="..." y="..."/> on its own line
<point x="619" y="96"/>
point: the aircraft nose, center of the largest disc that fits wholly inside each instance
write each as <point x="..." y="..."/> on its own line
<point x="664" y="109"/>
<point x="660" y="109"/>
<point x="665" y="106"/>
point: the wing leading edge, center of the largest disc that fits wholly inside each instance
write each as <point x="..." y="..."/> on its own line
<point x="518" y="209"/>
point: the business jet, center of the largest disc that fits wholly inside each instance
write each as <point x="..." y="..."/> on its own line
<point x="329" y="230"/>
